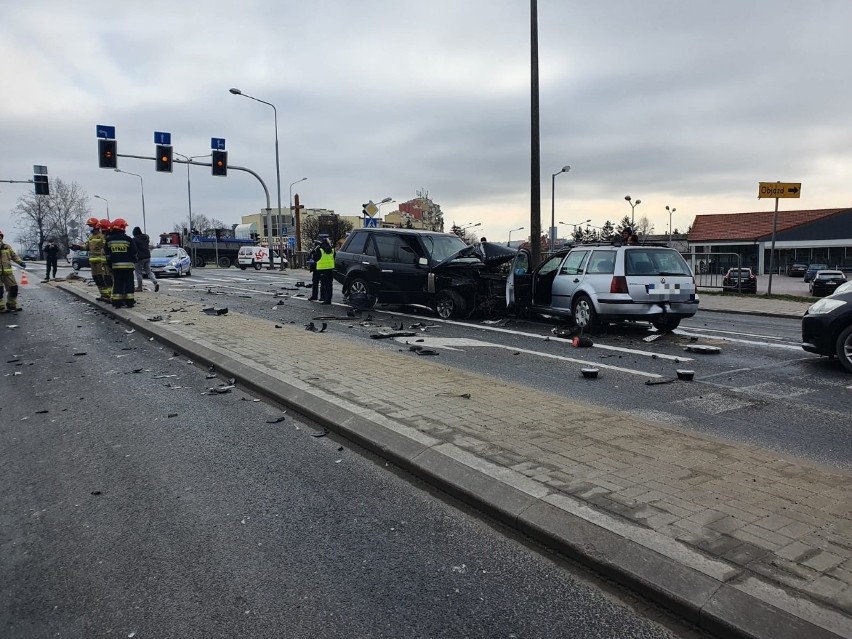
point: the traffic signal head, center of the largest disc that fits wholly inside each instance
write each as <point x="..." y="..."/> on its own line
<point x="220" y="163"/>
<point x="164" y="158"/>
<point x="41" y="185"/>
<point x="107" y="154"/>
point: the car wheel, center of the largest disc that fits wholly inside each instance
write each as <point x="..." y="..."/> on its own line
<point x="243" y="267"/>
<point x="583" y="312"/>
<point x="358" y="294"/>
<point x="450" y="304"/>
<point x="179" y="272"/>
<point x="199" y="262"/>
<point x="666" y="324"/>
<point x="188" y="271"/>
<point x="258" y="266"/>
<point x="224" y="262"/>
<point x="75" y="265"/>
<point x="844" y="348"/>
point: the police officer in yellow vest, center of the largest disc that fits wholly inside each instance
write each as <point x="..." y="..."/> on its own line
<point x="8" y="283"/>
<point x="325" y="268"/>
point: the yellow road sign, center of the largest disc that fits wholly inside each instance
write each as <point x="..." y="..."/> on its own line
<point x="779" y="189"/>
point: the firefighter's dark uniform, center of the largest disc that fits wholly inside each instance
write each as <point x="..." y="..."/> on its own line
<point x="8" y="283"/>
<point x="96" y="246"/>
<point x="121" y="258"/>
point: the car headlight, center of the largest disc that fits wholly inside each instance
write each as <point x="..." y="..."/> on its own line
<point x="825" y="305"/>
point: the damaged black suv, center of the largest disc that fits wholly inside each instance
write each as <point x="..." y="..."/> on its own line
<point x="425" y="268"/>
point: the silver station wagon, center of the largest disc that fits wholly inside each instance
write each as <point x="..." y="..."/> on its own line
<point x="594" y="283"/>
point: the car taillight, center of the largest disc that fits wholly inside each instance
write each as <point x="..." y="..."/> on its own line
<point x="618" y="285"/>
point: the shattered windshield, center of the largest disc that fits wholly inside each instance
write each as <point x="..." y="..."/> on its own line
<point x="164" y="252"/>
<point x="441" y="247"/>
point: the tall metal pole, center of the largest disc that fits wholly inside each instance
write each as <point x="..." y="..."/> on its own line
<point x="552" y="234"/>
<point x="535" y="146"/>
<point x="772" y="249"/>
<point x="142" y="185"/>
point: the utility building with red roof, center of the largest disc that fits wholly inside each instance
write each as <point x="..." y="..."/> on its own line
<point x="817" y="236"/>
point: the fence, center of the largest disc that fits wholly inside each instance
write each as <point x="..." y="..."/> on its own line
<point x="710" y="268"/>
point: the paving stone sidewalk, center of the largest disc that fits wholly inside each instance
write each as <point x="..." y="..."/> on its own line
<point x="780" y="529"/>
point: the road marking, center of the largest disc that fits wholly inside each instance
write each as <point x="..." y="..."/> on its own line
<point x="715" y="330"/>
<point x="454" y="344"/>
<point x="788" y="346"/>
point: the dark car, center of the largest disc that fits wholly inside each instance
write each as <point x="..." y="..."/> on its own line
<point x="425" y="268"/>
<point x="80" y="259"/>
<point x="827" y="326"/>
<point x="812" y="270"/>
<point x="796" y="269"/>
<point x="740" y="280"/>
<point x="826" y="282"/>
<point x="30" y="254"/>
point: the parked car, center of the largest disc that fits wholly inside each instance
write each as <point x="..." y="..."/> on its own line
<point x="258" y="257"/>
<point x="79" y="259"/>
<point x="796" y="269"/>
<point x="171" y="260"/>
<point x="826" y="282"/>
<point x="30" y="254"/>
<point x="603" y="282"/>
<point x="827" y="326"/>
<point x="425" y="268"/>
<point x="740" y="280"/>
<point x="812" y="270"/>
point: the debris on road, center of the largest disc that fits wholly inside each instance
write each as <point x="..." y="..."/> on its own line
<point x="312" y="327"/>
<point x="275" y="420"/>
<point x="657" y="382"/>
<point x="589" y="373"/>
<point x="219" y="390"/>
<point x="392" y="334"/>
<point x="653" y="337"/>
<point x="581" y="341"/>
<point x="156" y="318"/>
<point x="463" y="395"/>
<point x="321" y="433"/>
<point x="215" y="311"/>
<point x="685" y="375"/>
<point x="703" y="349"/>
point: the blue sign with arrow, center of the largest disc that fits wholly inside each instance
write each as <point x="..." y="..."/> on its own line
<point x="105" y="131"/>
<point x="161" y="137"/>
<point x="217" y="144"/>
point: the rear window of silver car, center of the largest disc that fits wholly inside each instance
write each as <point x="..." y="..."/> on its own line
<point x="655" y="261"/>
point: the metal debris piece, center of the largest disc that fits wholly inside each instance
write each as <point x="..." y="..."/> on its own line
<point x="220" y="390"/>
<point x="656" y="382"/>
<point x="703" y="349"/>
<point x="652" y="338"/>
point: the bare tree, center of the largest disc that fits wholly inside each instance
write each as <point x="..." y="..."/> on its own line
<point x="49" y="216"/>
<point x="643" y="226"/>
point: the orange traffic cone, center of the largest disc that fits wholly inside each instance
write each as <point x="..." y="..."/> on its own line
<point x="24" y="280"/>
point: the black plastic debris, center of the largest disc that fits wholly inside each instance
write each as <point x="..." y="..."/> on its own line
<point x="685" y="375"/>
<point x="79" y="354"/>
<point x="393" y="334"/>
<point x="275" y="420"/>
<point x="463" y="395"/>
<point x="581" y="341"/>
<point x="565" y="333"/>
<point x="41" y="412"/>
<point x="662" y="380"/>
<point x="156" y="318"/>
<point x="589" y="373"/>
<point x="137" y="370"/>
<point x="426" y="351"/>
<point x="12" y="361"/>
<point x="96" y="493"/>
<point x="211" y="376"/>
<point x="172" y="415"/>
<point x="214" y="311"/>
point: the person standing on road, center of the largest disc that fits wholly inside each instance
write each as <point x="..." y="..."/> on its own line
<point x="8" y="283"/>
<point x="325" y="267"/>
<point x="313" y="258"/>
<point x="121" y="257"/>
<point x="143" y="259"/>
<point x="97" y="260"/>
<point x="51" y="256"/>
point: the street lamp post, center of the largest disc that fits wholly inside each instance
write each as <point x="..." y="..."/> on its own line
<point x="576" y="225"/>
<point x="290" y="205"/>
<point x="552" y="233"/>
<point x="107" y="203"/>
<point x="520" y="228"/>
<point x="633" y="206"/>
<point x="142" y="185"/>
<point x="189" y="159"/>
<point x="277" y="166"/>
<point x="672" y="210"/>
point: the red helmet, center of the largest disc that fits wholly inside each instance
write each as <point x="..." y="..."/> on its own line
<point x="104" y="224"/>
<point x="119" y="223"/>
<point x="92" y="221"/>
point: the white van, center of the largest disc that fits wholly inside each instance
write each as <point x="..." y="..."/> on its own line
<point x="258" y="257"/>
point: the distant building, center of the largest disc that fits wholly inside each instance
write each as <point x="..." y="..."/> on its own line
<point x="815" y="236"/>
<point x="419" y="213"/>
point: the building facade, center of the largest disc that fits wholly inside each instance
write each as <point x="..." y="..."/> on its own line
<point x="814" y="236"/>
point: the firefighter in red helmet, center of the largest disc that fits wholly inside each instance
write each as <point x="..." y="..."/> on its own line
<point x="8" y="283"/>
<point x="97" y="259"/>
<point x="121" y="258"/>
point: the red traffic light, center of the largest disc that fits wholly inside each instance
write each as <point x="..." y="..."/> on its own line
<point x="220" y="163"/>
<point x="107" y="154"/>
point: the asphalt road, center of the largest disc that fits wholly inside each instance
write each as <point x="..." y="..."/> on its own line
<point x="760" y="389"/>
<point x="136" y="504"/>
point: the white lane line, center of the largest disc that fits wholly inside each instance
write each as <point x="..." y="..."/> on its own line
<point x="453" y="343"/>
<point x="506" y="331"/>
<point x="715" y="330"/>
<point x="787" y="346"/>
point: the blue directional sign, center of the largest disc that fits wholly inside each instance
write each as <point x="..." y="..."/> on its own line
<point x="105" y="131"/>
<point x="217" y="144"/>
<point x="370" y="222"/>
<point x="161" y="137"/>
<point x="291" y="242"/>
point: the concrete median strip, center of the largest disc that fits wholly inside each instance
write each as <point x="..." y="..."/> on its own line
<point x="654" y="509"/>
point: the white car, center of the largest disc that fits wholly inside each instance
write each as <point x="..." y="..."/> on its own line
<point x="258" y="257"/>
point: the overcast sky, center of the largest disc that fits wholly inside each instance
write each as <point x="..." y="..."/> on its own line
<point x="681" y="103"/>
